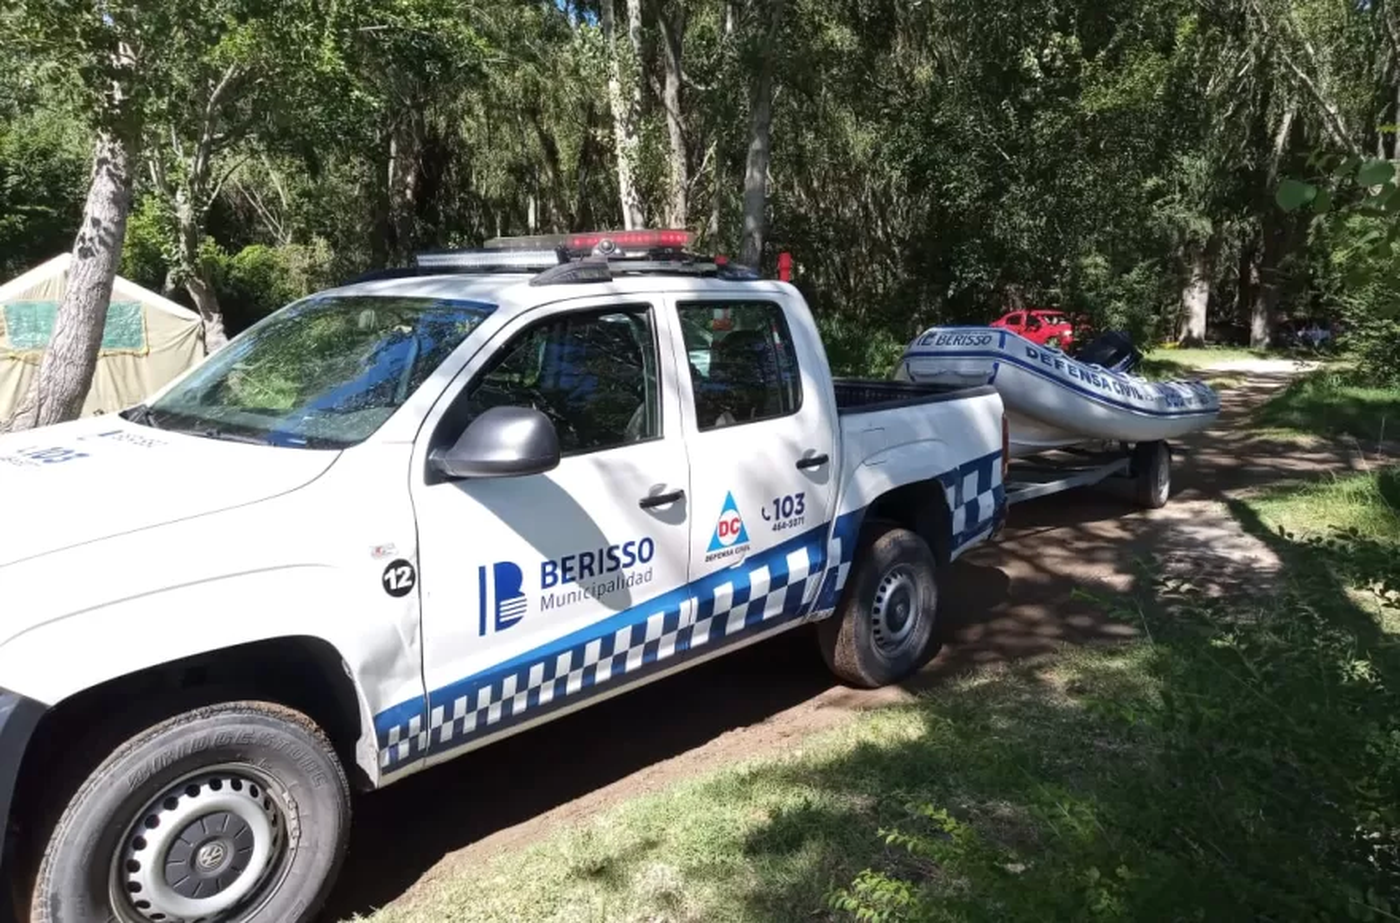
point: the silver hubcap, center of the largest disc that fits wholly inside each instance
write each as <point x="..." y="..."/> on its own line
<point x="895" y="611"/>
<point x="201" y="850"/>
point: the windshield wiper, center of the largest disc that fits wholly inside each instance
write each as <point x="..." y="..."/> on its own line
<point x="214" y="432"/>
<point x="141" y="415"/>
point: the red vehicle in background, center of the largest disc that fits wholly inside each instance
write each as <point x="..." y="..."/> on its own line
<point x="1044" y="328"/>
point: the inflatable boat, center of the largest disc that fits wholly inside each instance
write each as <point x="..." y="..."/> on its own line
<point x="1052" y="400"/>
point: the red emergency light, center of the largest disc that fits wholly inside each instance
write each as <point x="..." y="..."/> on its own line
<point x="785" y="267"/>
<point x="607" y="243"/>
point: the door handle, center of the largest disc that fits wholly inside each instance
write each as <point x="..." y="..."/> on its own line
<point x="812" y="461"/>
<point x="656" y="500"/>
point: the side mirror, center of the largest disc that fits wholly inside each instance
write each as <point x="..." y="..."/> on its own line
<point x="503" y="442"/>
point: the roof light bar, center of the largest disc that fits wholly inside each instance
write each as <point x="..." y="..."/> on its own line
<point x="603" y="243"/>
<point x="500" y="260"/>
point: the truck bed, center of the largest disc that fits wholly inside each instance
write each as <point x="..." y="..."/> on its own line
<point x="867" y="395"/>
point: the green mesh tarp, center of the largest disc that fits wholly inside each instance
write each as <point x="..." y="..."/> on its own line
<point x="29" y="324"/>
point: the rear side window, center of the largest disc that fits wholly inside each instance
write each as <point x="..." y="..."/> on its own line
<point x="743" y="367"/>
<point x="593" y="374"/>
<point x="1015" y="320"/>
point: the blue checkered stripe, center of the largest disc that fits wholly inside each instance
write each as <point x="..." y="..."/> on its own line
<point x="976" y="498"/>
<point x="771" y="588"/>
<point x="841" y="554"/>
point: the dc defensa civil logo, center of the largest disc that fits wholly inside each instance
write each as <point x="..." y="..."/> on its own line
<point x="730" y="537"/>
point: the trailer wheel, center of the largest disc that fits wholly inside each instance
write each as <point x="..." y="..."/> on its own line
<point x="1152" y="464"/>
<point x="233" y="813"/>
<point x="885" y="623"/>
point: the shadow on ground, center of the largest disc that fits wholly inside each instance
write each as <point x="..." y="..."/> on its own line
<point x="1003" y="603"/>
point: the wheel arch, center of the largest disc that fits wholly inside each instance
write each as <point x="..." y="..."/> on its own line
<point x="922" y="508"/>
<point x="299" y="671"/>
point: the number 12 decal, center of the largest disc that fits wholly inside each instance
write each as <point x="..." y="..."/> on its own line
<point x="399" y="578"/>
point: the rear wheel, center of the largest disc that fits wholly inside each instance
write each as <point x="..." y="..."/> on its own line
<point x="884" y="627"/>
<point x="1152" y="466"/>
<point x="235" y="813"/>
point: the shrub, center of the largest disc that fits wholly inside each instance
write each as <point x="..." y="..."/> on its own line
<point x="259" y="279"/>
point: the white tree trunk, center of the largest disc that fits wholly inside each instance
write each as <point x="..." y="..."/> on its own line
<point x="206" y="301"/>
<point x="756" y="167"/>
<point x="625" y="100"/>
<point x="65" y="373"/>
<point x="1195" y="295"/>
<point x="677" y="211"/>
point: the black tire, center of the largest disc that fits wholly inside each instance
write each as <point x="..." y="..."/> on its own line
<point x="1152" y="466"/>
<point x="205" y="778"/>
<point x="884" y="627"/>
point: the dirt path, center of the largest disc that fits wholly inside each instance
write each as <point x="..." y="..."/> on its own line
<point x="1009" y="600"/>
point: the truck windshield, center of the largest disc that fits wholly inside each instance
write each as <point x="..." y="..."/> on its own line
<point x="322" y="373"/>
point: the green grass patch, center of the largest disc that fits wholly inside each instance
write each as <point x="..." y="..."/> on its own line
<point x="1329" y="404"/>
<point x="1242" y="762"/>
<point x="1199" y="358"/>
<point x="1162" y="367"/>
<point x="1367" y="505"/>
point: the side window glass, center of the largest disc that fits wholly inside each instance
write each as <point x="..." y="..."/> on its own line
<point x="593" y="374"/>
<point x="743" y="367"/>
<point x="1014" y="320"/>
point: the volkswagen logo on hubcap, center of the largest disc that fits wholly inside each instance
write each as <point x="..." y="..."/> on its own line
<point x="210" y="856"/>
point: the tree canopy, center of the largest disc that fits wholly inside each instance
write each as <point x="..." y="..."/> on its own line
<point x="1182" y="170"/>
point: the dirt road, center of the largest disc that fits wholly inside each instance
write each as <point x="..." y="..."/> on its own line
<point x="1013" y="599"/>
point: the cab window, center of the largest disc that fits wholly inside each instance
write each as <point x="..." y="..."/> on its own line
<point x="592" y="373"/>
<point x="743" y="367"/>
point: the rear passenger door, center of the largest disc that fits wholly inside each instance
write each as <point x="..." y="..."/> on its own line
<point x="760" y="433"/>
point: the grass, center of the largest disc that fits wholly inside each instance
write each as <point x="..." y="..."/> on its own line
<point x="1202" y="357"/>
<point x="1239" y="763"/>
<point x="1328" y="404"/>
<point x="1172" y="362"/>
<point x="1158" y="368"/>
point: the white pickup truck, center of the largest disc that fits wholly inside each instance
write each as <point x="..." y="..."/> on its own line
<point x="401" y="519"/>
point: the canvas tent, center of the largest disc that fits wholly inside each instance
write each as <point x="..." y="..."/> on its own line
<point x="148" y="339"/>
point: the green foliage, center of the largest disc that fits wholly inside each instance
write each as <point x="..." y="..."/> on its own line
<point x="1337" y="404"/>
<point x="932" y="162"/>
<point x="144" y="256"/>
<point x="259" y="279"/>
<point x="43" y="174"/>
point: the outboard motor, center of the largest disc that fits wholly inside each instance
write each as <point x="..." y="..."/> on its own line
<point x="1113" y="350"/>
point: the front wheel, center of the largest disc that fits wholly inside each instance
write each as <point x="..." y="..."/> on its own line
<point x="235" y="813"/>
<point x="884" y="627"/>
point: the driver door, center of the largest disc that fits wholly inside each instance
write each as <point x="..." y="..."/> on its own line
<point x="537" y="591"/>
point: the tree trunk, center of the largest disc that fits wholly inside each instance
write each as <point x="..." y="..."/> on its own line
<point x="677" y="213"/>
<point x="756" y="166"/>
<point x="65" y="373"/>
<point x="1195" y="295"/>
<point x="206" y="301"/>
<point x="1274" y="237"/>
<point x="589" y="152"/>
<point x="192" y="274"/>
<point x="625" y="100"/>
<point x="1278" y="243"/>
<point x="1248" y="278"/>
<point x="403" y="188"/>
